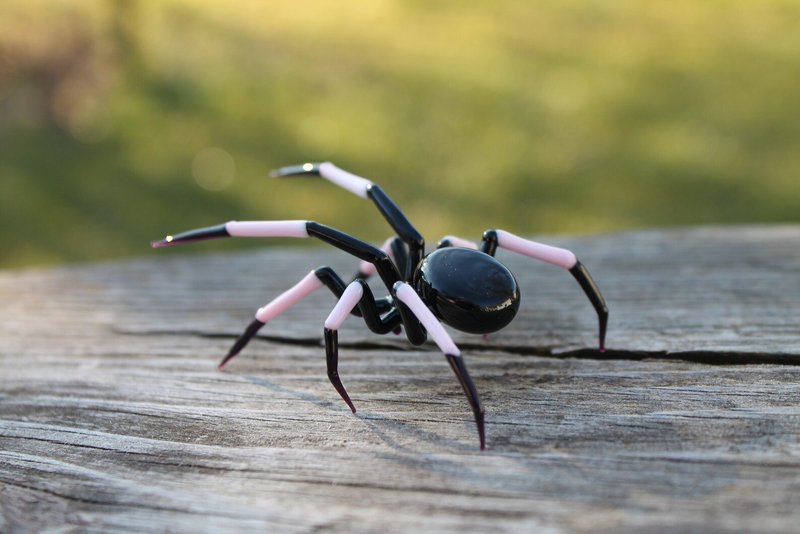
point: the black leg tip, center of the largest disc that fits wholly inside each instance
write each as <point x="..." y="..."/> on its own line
<point x="460" y="370"/>
<point x="240" y="343"/>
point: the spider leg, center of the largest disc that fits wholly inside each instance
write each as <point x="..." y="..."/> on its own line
<point x="356" y="294"/>
<point x="367" y="189"/>
<point x="282" y="303"/>
<point x="395" y="248"/>
<point x="556" y="256"/>
<point x="406" y="294"/>
<point x="299" y="229"/>
<point x="380" y="315"/>
<point x="397" y="251"/>
<point x="373" y="309"/>
<point x="400" y="254"/>
<point x="349" y="300"/>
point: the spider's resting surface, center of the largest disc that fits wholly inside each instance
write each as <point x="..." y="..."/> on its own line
<point x="460" y="284"/>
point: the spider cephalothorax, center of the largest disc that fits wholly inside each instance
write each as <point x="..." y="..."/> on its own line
<point x="460" y="283"/>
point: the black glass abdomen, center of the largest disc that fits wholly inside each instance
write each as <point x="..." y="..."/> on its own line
<point x="467" y="289"/>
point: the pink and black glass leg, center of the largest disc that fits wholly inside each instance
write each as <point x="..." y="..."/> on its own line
<point x="372" y="191"/>
<point x="282" y="303"/>
<point x="351" y="296"/>
<point x="589" y="286"/>
<point x="406" y="294"/>
<point x="492" y="239"/>
<point x="384" y="266"/>
<point x="378" y="314"/>
<point x="336" y="285"/>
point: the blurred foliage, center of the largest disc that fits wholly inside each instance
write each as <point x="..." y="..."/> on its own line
<point x="121" y="121"/>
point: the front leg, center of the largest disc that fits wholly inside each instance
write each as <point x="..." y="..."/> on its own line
<point x="298" y="229"/>
<point x="367" y="189"/>
<point x="406" y="295"/>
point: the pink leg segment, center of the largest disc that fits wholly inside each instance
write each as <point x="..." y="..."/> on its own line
<point x="554" y="255"/>
<point x="562" y="258"/>
<point x="437" y="332"/>
<point x="352" y="294"/>
<point x="346" y="180"/>
<point x="266" y="228"/>
<point x="289" y="298"/>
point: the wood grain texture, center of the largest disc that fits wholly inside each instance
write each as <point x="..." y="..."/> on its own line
<point x="113" y="416"/>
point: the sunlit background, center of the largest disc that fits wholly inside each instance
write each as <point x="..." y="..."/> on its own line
<point x="121" y="121"/>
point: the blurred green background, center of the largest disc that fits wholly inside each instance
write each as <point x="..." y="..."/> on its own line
<point x="121" y="121"/>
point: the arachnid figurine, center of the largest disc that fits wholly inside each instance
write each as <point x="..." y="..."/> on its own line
<point x="460" y="284"/>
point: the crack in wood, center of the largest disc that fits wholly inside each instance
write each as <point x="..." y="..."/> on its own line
<point x="707" y="357"/>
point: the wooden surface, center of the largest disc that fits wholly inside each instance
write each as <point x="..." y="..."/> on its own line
<point x="114" y="417"/>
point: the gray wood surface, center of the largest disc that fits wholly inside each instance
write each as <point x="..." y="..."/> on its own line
<point x="113" y="416"/>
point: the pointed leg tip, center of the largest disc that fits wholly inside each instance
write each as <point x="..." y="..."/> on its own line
<point x="240" y="343"/>
<point x="347" y="400"/>
<point x="161" y="243"/>
<point x="339" y="387"/>
<point x="226" y="360"/>
<point x="295" y="170"/>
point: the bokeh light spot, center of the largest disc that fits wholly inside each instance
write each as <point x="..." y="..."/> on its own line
<point x="213" y="168"/>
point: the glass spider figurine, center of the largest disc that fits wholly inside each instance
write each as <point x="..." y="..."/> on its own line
<point x="460" y="284"/>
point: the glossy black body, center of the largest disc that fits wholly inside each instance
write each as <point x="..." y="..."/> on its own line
<point x="468" y="289"/>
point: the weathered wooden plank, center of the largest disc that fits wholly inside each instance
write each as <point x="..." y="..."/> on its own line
<point x="113" y="416"/>
<point x="708" y="289"/>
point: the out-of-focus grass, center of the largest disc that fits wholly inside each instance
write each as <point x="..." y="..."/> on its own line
<point x="121" y="121"/>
